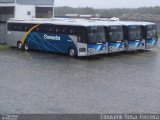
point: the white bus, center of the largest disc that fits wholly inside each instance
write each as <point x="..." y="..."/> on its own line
<point x="76" y="38"/>
<point x="133" y="36"/>
<point x="114" y="36"/>
<point x="149" y="32"/>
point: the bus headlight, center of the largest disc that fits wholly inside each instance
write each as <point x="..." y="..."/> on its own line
<point x="82" y="49"/>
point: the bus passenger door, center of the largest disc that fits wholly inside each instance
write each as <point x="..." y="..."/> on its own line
<point x="81" y="46"/>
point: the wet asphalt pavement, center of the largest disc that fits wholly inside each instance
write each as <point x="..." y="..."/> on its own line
<point x="36" y="82"/>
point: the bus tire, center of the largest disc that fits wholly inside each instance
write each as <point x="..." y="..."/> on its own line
<point x="26" y="47"/>
<point x="72" y="52"/>
<point x="19" y="45"/>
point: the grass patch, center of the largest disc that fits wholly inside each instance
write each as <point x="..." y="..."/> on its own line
<point x="3" y="46"/>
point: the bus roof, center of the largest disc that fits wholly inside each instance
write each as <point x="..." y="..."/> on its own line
<point x="57" y="21"/>
<point x="146" y="23"/>
<point x="108" y="23"/>
<point x="79" y="22"/>
<point x="138" y="23"/>
<point x="123" y="23"/>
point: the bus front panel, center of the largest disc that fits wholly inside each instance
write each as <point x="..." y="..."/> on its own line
<point x="133" y="39"/>
<point x="115" y="39"/>
<point x="151" y="38"/>
<point x="96" y="43"/>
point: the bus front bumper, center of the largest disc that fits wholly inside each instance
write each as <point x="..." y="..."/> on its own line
<point x="151" y="44"/>
<point x="134" y="45"/>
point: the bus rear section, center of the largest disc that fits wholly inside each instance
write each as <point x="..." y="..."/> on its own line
<point x="133" y="37"/>
<point x="115" y="38"/>
<point x="150" y="36"/>
<point x="75" y="40"/>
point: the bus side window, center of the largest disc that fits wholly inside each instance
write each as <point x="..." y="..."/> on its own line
<point x="71" y="31"/>
<point x="58" y="30"/>
<point x="47" y="28"/>
<point x="16" y="27"/>
<point x="25" y="27"/>
<point x="40" y="28"/>
<point x="54" y="29"/>
<point x="65" y="31"/>
<point x="50" y="29"/>
<point x="20" y="27"/>
<point x="29" y="26"/>
<point x="10" y="26"/>
<point x="36" y="29"/>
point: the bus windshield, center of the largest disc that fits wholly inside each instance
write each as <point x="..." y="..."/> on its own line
<point x="151" y="32"/>
<point x="115" y="34"/>
<point x="135" y="34"/>
<point x="96" y="35"/>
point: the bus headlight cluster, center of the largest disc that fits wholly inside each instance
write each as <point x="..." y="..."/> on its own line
<point x="104" y="48"/>
<point x="91" y="50"/>
<point x="82" y="49"/>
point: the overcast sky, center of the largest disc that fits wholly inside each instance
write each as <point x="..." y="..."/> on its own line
<point x="108" y="3"/>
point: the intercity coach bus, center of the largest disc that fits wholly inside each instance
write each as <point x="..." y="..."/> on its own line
<point x="150" y="36"/>
<point x="133" y="36"/>
<point x="76" y="38"/>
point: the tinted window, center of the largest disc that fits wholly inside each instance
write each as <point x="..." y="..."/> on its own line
<point x="151" y="32"/>
<point x="96" y="35"/>
<point x="115" y="34"/>
<point x="19" y="27"/>
<point x="135" y="33"/>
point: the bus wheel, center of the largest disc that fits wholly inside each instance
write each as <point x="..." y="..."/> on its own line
<point x="26" y="47"/>
<point x="19" y="45"/>
<point x="72" y="52"/>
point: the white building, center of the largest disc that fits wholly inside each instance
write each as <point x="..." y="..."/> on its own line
<point x="27" y="8"/>
<point x="24" y="9"/>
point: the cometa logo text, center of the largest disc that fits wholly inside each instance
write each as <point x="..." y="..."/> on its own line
<point x="47" y="37"/>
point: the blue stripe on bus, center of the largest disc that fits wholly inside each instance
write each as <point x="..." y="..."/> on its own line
<point x="116" y="45"/>
<point x="152" y="42"/>
<point x="135" y="43"/>
<point x="97" y="47"/>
